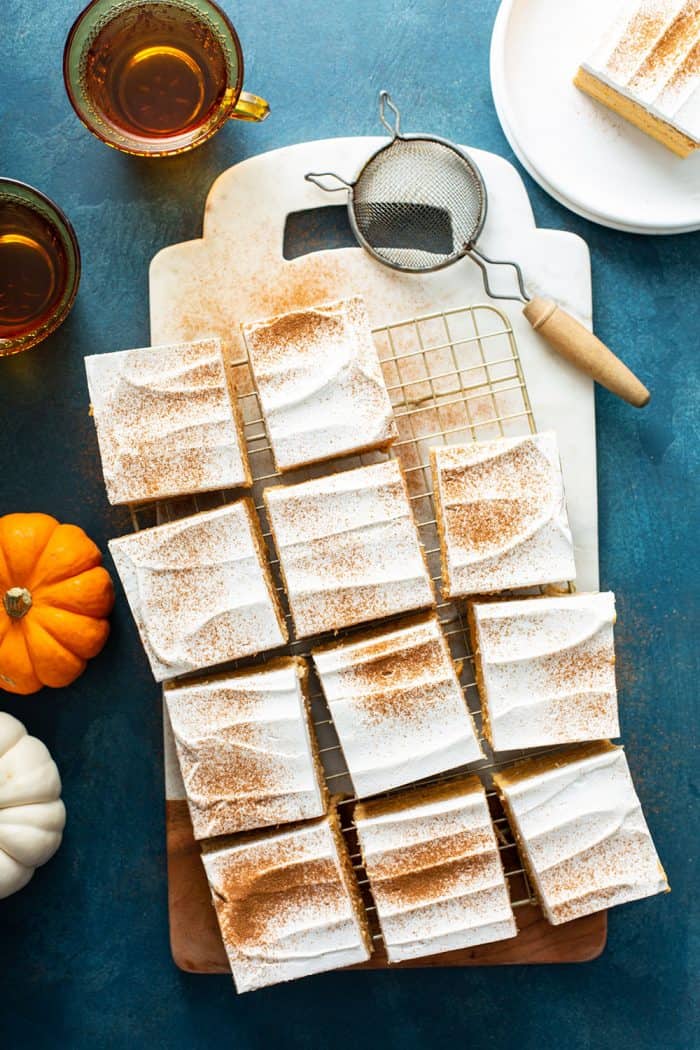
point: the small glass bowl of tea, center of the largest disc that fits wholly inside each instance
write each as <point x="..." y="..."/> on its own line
<point x="39" y="267"/>
<point x="156" y="77"/>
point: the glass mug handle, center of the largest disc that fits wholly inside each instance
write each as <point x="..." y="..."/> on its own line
<point x="250" y="107"/>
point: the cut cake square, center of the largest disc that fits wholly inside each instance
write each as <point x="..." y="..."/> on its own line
<point x="288" y="903"/>
<point x="581" y="831"/>
<point x="646" y="68"/>
<point x="501" y="515"/>
<point x="349" y="548"/>
<point x="397" y="704"/>
<point x="320" y="383"/>
<point x="200" y="590"/>
<point x="167" y="421"/>
<point x="246" y="748"/>
<point x="545" y="669"/>
<point x="434" y="869"/>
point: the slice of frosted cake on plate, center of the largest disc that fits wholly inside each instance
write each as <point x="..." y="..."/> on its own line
<point x="349" y="548"/>
<point x="434" y="869"/>
<point x="287" y="902"/>
<point x="167" y="421"/>
<point x="397" y="704"/>
<point x="246" y="748"/>
<point x="501" y="515"/>
<point x="647" y="69"/>
<point x="580" y="828"/>
<point x="320" y="383"/>
<point x="545" y="669"/>
<point x="200" y="590"/>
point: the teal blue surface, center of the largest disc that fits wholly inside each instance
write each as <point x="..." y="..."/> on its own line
<point x="84" y="957"/>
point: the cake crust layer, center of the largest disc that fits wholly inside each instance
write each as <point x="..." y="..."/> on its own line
<point x="581" y="831"/>
<point x="200" y="590"/>
<point x="434" y="869"/>
<point x="247" y="752"/>
<point x="287" y="903"/>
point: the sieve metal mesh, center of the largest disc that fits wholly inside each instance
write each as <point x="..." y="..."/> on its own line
<point x="419" y="203"/>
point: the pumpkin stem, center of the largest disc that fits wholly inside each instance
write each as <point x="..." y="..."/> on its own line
<point x="17" y="602"/>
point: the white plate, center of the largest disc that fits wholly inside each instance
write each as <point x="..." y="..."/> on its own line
<point x="584" y="156"/>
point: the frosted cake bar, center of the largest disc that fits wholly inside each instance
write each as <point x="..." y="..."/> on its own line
<point x="501" y="515"/>
<point x="320" y="383"/>
<point x="247" y="752"/>
<point x="647" y="69"/>
<point x="288" y="904"/>
<point x="200" y="590"/>
<point x="434" y="869"/>
<point x="581" y="831"/>
<point x="397" y="705"/>
<point x="167" y="422"/>
<point x="348" y="547"/>
<point x="545" y="669"/>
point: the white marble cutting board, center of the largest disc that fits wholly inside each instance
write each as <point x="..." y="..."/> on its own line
<point x="237" y="273"/>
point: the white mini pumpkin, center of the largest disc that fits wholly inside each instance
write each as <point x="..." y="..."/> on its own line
<point x="32" y="815"/>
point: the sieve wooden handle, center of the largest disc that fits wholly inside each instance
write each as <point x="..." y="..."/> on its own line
<point x="574" y="342"/>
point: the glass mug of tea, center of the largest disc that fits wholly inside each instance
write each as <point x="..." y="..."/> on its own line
<point x="156" y="77"/>
<point x="39" y="267"/>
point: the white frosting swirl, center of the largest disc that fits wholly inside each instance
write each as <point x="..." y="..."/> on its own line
<point x="166" y="422"/>
<point x="578" y="818"/>
<point x="198" y="590"/>
<point x="547" y="669"/>
<point x="320" y="383"/>
<point x="435" y="871"/>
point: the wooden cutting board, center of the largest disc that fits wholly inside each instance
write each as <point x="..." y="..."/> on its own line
<point x="197" y="948"/>
<point x="237" y="272"/>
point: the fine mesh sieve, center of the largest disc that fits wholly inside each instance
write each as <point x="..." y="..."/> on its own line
<point x="419" y="204"/>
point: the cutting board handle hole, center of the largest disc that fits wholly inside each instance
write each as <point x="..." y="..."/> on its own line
<point x="317" y="230"/>
<point x="398" y="225"/>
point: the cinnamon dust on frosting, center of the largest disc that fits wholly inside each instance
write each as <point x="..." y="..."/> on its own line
<point x="501" y="515"/>
<point x="434" y="868"/>
<point x="167" y="422"/>
<point x="320" y="383"/>
<point x="287" y="903"/>
<point x="397" y="705"/>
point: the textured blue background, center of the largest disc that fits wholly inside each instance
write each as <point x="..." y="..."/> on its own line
<point x="84" y="958"/>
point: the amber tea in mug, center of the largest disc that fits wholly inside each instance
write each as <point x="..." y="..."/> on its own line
<point x="156" y="77"/>
<point x="39" y="267"/>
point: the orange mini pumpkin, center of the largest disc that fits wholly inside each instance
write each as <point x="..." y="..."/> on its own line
<point x="55" y="600"/>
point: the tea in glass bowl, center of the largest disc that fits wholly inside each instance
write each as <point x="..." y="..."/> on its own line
<point x="39" y="267"/>
<point x="156" y="77"/>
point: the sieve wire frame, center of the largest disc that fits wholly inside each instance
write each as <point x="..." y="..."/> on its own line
<point x="430" y="140"/>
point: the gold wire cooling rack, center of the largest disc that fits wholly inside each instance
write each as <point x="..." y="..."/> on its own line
<point x="452" y="376"/>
